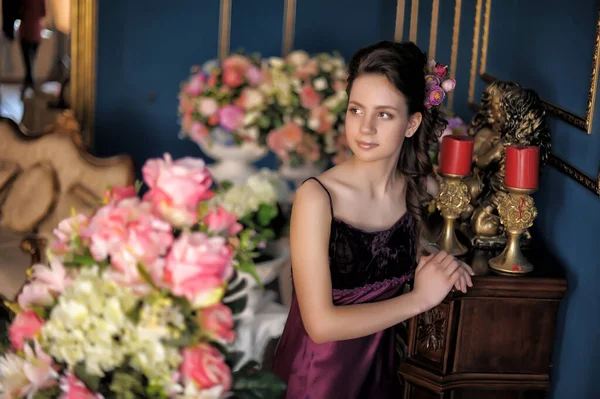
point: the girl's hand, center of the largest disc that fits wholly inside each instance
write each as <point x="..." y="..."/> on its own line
<point x="437" y="274"/>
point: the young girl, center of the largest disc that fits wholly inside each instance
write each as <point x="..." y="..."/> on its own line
<point x="354" y="238"/>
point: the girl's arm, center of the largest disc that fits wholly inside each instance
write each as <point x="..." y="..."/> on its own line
<point x="309" y="244"/>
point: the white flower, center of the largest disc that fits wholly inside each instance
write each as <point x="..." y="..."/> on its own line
<point x="253" y="99"/>
<point x="314" y="123"/>
<point x="299" y="121"/>
<point x="13" y="381"/>
<point x="251" y="118"/>
<point x="297" y="58"/>
<point x="320" y="84"/>
<point x="276" y="62"/>
<point x="193" y="392"/>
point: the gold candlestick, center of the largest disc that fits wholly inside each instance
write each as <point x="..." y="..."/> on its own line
<point x="452" y="201"/>
<point x="517" y="213"/>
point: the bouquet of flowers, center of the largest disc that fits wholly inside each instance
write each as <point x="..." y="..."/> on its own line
<point x="134" y="302"/>
<point x="257" y="206"/>
<point x="222" y="102"/>
<point x="437" y="83"/>
<point x="309" y="98"/>
<point x="455" y="126"/>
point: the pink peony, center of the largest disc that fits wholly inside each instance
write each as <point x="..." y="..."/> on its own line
<point x="220" y="221"/>
<point x="197" y="267"/>
<point x="196" y="85"/>
<point x="26" y="325"/>
<point x="448" y="85"/>
<point x="116" y="194"/>
<point x="309" y="98"/>
<point x="65" y="232"/>
<point x="441" y="70"/>
<point x="431" y="80"/>
<point x="217" y="321"/>
<point x="130" y="234"/>
<point x="39" y="368"/>
<point x="207" y="106"/>
<point x="72" y="388"/>
<point x="44" y="284"/>
<point x="231" y="117"/>
<point x="205" y="366"/>
<point x="254" y="75"/>
<point x="177" y="187"/>
<point x="435" y="96"/>
<point x="286" y="139"/>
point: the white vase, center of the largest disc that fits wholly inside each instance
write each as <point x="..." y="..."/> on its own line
<point x="233" y="163"/>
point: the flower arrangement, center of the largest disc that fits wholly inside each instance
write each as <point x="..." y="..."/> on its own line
<point x="134" y="301"/>
<point x="257" y="206"/>
<point x="437" y="83"/>
<point x="455" y="126"/>
<point x="222" y="102"/>
<point x="309" y="98"/>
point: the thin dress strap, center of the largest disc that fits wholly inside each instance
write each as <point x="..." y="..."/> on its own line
<point x="324" y="188"/>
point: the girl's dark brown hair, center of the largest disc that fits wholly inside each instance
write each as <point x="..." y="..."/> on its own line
<point x="403" y="64"/>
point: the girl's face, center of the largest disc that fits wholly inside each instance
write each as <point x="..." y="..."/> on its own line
<point x="377" y="119"/>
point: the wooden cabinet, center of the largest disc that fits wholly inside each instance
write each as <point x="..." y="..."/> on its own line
<point x="493" y="342"/>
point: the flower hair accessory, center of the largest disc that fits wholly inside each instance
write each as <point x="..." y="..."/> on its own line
<point x="437" y="83"/>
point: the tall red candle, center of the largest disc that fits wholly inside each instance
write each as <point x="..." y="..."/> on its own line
<point x="522" y="167"/>
<point x="456" y="155"/>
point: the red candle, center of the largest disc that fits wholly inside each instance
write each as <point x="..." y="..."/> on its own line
<point x="522" y="167"/>
<point x="456" y="154"/>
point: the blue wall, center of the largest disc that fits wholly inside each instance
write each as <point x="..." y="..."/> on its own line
<point x="145" y="49"/>
<point x="547" y="45"/>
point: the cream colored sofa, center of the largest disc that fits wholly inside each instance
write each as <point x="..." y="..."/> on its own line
<point x="41" y="180"/>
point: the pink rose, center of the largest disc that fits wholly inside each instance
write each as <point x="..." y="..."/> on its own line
<point x="440" y="70"/>
<point x="196" y="85"/>
<point x="177" y="187"/>
<point x="231" y="117"/>
<point x="27" y="325"/>
<point x="72" y="388"/>
<point x="205" y="366"/>
<point x="198" y="132"/>
<point x="232" y="77"/>
<point x="448" y="85"/>
<point x="131" y="234"/>
<point x="65" y="232"/>
<point x="217" y="321"/>
<point x="309" y="98"/>
<point x="236" y="61"/>
<point x="220" y="221"/>
<point x="207" y="106"/>
<point x="254" y="75"/>
<point x="197" y="268"/>
<point x="116" y="194"/>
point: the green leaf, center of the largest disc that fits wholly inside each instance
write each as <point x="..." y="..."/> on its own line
<point x="40" y="311"/>
<point x="48" y="393"/>
<point x="249" y="366"/>
<point x="265" y="385"/>
<point x="249" y="268"/>
<point x="127" y="385"/>
<point x="146" y="276"/>
<point x="266" y="213"/>
<point x="91" y="381"/>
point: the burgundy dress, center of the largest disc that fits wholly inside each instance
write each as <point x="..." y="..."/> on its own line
<point x="365" y="267"/>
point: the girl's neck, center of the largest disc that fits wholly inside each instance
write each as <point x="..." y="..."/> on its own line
<point x="378" y="178"/>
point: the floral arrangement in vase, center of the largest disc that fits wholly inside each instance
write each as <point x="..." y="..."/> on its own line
<point x="309" y="97"/>
<point x="134" y="300"/>
<point x="258" y="206"/>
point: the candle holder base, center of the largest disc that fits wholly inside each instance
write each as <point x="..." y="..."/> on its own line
<point x="452" y="200"/>
<point x="517" y="213"/>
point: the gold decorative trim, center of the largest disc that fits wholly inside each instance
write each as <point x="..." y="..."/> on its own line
<point x="475" y="51"/>
<point x="414" y="19"/>
<point x="289" y="26"/>
<point x="573" y="172"/>
<point x="435" y="15"/>
<point x="224" y="28"/>
<point x="83" y="65"/>
<point x="454" y="53"/>
<point x="399" y="31"/>
<point x="581" y="122"/>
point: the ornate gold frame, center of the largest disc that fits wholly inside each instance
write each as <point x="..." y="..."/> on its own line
<point x="584" y="123"/>
<point x="84" y="15"/>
